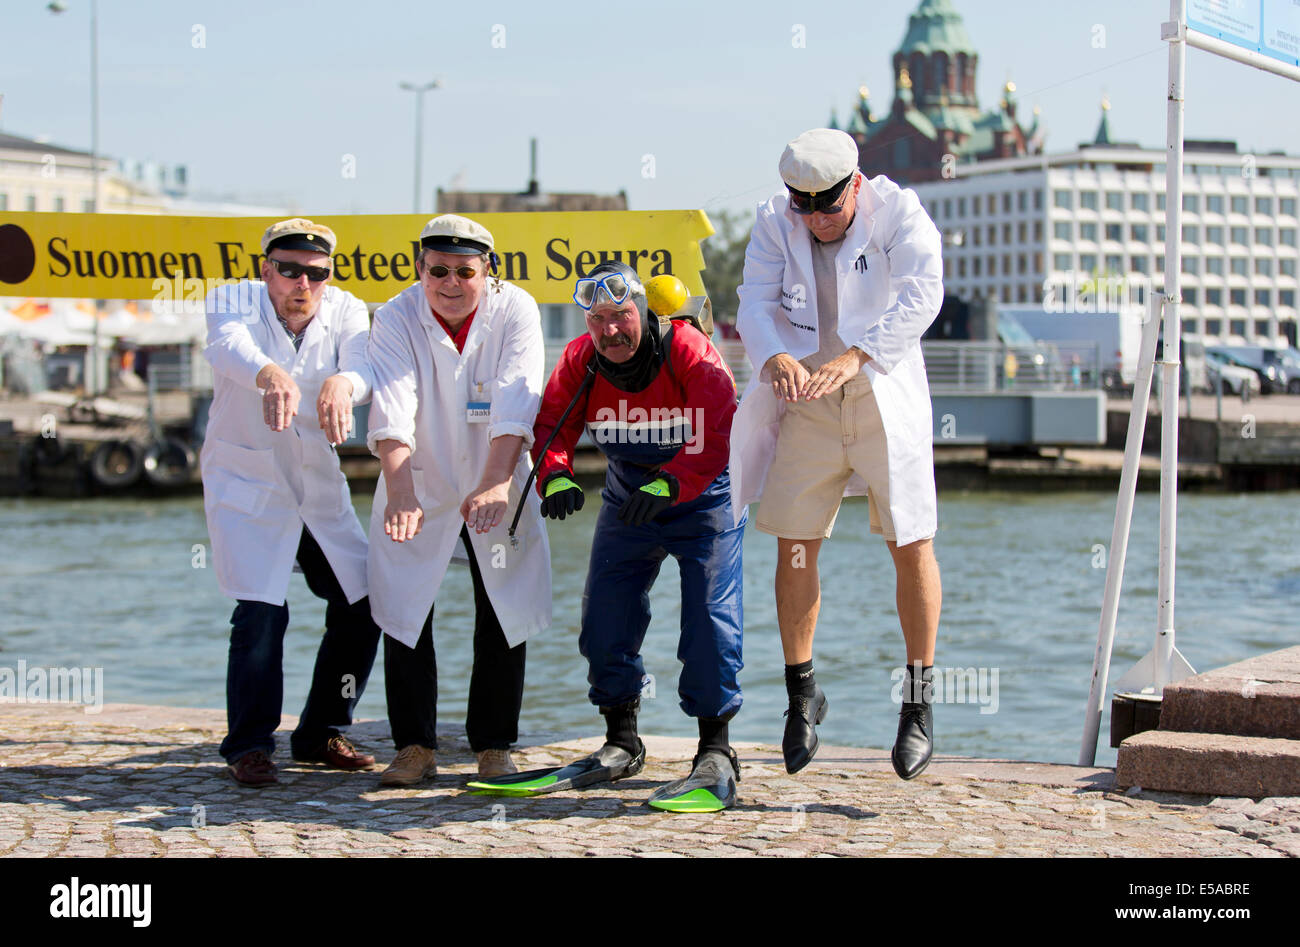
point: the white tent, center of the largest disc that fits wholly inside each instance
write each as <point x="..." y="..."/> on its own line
<point x="9" y="323"/>
<point x="69" y="324"/>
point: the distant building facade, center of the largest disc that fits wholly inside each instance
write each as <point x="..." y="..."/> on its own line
<point x="45" y="178"/>
<point x="1021" y="226"/>
<point x="935" y="119"/>
<point x="533" y="199"/>
<point x="1037" y="229"/>
<point x="560" y="321"/>
<point x="38" y="176"/>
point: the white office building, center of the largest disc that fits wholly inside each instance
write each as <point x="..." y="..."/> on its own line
<point x="42" y="177"/>
<point x="1071" y="229"/>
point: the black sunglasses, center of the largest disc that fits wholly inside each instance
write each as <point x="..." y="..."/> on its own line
<point x="438" y="271"/>
<point x="804" y="204"/>
<point x="288" y="270"/>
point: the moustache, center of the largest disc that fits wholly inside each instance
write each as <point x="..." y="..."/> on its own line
<point x="621" y="339"/>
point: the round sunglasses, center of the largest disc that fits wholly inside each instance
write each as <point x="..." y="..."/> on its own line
<point x="438" y="271"/>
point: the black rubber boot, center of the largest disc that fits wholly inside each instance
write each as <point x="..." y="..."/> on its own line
<point x="620" y="726"/>
<point x="715" y="734"/>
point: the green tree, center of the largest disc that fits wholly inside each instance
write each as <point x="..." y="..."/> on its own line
<point x="724" y="262"/>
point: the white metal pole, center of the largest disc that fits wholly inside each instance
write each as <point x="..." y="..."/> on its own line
<point x="419" y="140"/>
<point x="1173" y="326"/>
<point x="97" y="380"/>
<point x="94" y="102"/>
<point x="1249" y="57"/>
<point x="419" y="91"/>
<point x="1137" y="421"/>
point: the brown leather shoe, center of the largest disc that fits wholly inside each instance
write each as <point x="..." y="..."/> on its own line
<point x="493" y="763"/>
<point x="413" y="764"/>
<point x="254" y="769"/>
<point x="339" y="753"/>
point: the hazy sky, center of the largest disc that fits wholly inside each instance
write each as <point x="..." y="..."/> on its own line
<point x="277" y="96"/>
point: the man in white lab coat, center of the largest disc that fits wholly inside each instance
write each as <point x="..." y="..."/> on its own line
<point x="842" y="275"/>
<point x="274" y="494"/>
<point x="458" y="361"/>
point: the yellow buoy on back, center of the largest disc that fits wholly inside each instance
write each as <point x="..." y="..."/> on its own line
<point x="665" y="295"/>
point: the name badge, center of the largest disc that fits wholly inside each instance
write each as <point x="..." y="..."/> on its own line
<point x="478" y="412"/>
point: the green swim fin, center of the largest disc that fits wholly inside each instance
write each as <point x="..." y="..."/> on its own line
<point x="605" y="765"/>
<point x="711" y="786"/>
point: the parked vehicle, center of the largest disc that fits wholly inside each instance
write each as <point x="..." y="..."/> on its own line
<point x="1116" y="337"/>
<point x="1288" y="360"/>
<point x="1230" y="379"/>
<point x="1195" y="367"/>
<point x="1274" y="375"/>
<point x="1045" y="364"/>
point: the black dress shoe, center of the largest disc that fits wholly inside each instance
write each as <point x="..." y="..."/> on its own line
<point x="799" y="745"/>
<point x="914" y="745"/>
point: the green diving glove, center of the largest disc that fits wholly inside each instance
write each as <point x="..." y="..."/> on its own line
<point x="561" y="497"/>
<point x="647" y="502"/>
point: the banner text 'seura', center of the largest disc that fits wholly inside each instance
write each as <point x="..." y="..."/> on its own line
<point x="120" y="256"/>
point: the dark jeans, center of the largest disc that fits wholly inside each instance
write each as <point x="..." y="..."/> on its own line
<point x="255" y="677"/>
<point x="496" y="684"/>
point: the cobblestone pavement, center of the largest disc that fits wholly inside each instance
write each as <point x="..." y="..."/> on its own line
<point x="148" y="781"/>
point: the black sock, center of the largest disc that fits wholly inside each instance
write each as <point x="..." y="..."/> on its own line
<point x="714" y="735"/>
<point x="799" y="679"/>
<point x="922" y="691"/>
<point x="620" y="726"/>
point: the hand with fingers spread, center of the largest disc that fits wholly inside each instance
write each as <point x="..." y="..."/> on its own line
<point x="280" y="397"/>
<point x="832" y="376"/>
<point x="403" y="516"/>
<point x="788" y="377"/>
<point x="334" y="408"/>
<point x="484" y="509"/>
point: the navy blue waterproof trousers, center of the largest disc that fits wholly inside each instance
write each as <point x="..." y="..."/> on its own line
<point x="625" y="562"/>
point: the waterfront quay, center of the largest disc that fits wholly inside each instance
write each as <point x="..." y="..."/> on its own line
<point x="147" y="781"/>
<point x="1225" y="444"/>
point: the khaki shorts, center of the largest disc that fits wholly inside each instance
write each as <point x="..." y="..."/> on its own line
<point x="821" y="444"/>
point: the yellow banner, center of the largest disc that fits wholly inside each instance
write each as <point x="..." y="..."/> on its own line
<point x="137" y="256"/>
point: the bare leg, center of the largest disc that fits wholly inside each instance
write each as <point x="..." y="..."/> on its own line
<point x="798" y="596"/>
<point x="919" y="596"/>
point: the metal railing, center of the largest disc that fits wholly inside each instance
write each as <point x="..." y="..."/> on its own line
<point x="998" y="366"/>
<point x="731" y="350"/>
<point x="952" y="367"/>
<point x="190" y="373"/>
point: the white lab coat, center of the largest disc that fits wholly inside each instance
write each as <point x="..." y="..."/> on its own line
<point x="890" y="288"/>
<point x="261" y="487"/>
<point x="422" y="390"/>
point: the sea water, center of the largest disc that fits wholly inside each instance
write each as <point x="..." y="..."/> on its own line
<point x="128" y="586"/>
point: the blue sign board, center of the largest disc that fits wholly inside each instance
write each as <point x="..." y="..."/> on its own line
<point x="1268" y="27"/>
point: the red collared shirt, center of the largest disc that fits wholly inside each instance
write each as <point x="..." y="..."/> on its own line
<point x="458" y="338"/>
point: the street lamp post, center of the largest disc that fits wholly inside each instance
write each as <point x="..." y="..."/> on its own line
<point x="56" y="7"/>
<point x="419" y="91"/>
